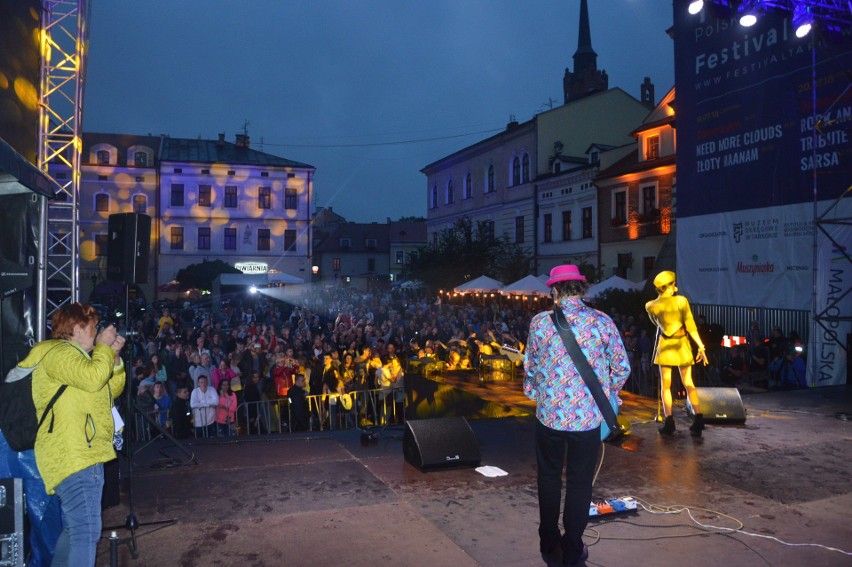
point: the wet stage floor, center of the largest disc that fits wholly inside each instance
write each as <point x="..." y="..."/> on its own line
<point x="328" y="498"/>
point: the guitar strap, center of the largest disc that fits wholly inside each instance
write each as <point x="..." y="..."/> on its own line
<point x="585" y="369"/>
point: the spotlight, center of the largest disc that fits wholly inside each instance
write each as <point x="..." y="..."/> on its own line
<point x="748" y="14"/>
<point x="253" y="289"/>
<point x="803" y="20"/>
<point x="695" y="6"/>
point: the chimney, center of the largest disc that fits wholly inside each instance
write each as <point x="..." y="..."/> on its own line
<point x="646" y="93"/>
<point x="242" y="141"/>
<point x="221" y="141"/>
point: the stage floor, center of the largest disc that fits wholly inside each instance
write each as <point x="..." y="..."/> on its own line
<point x="332" y="499"/>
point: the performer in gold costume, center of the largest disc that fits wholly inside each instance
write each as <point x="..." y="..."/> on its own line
<point x="673" y="318"/>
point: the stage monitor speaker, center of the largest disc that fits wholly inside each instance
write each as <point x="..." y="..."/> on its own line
<point x="440" y="443"/>
<point x="128" y="247"/>
<point x="720" y="405"/>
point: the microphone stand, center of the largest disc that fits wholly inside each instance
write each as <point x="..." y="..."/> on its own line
<point x="131" y="522"/>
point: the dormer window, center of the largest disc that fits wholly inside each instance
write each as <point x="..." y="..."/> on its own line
<point x="141" y="159"/>
<point x="103" y="157"/>
<point x="652" y="147"/>
<point x="594" y="156"/>
<point x="370" y="242"/>
<point x="346" y="243"/>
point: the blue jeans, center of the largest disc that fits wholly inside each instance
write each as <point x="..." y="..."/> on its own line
<point x="80" y="497"/>
<point x="551" y="449"/>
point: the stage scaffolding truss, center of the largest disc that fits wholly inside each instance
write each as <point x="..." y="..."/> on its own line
<point x="64" y="44"/>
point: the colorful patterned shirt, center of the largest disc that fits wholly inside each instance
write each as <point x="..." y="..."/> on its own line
<point x="563" y="402"/>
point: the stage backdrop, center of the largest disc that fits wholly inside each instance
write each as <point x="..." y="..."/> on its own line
<point x="753" y="153"/>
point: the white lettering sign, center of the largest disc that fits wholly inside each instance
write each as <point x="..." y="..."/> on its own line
<point x="252" y="267"/>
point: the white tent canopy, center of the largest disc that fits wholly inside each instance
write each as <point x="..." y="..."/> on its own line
<point x="528" y="285"/>
<point x="481" y="284"/>
<point x="613" y="282"/>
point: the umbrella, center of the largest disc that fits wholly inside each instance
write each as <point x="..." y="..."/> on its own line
<point x="481" y="284"/>
<point x="613" y="282"/>
<point x="528" y="285"/>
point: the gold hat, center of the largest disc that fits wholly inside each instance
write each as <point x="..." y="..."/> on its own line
<point x="663" y="279"/>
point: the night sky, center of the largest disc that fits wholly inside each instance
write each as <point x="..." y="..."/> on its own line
<point x="354" y="87"/>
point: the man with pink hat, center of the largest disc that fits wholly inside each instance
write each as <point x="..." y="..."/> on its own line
<point x="568" y="416"/>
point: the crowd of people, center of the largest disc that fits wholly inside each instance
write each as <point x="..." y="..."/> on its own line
<point x="192" y="368"/>
<point x="333" y="342"/>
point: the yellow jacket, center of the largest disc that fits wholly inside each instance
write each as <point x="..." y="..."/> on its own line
<point x="82" y="419"/>
<point x="671" y="314"/>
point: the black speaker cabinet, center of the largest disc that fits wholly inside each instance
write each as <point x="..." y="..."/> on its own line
<point x="440" y="443"/>
<point x="128" y="247"/>
<point x="13" y="528"/>
<point x="720" y="405"/>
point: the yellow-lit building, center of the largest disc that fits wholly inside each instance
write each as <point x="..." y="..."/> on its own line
<point x="208" y="199"/>
<point x="636" y="187"/>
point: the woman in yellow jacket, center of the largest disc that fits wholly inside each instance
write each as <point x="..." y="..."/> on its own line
<point x="675" y="325"/>
<point x="77" y="435"/>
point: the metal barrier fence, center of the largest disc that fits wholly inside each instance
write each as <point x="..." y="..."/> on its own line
<point x="369" y="407"/>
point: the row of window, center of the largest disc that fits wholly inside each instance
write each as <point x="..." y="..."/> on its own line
<point x="567" y="225"/>
<point x="205" y="196"/>
<point x="648" y="203"/>
<point x="371" y="264"/>
<point x="139" y="158"/>
<point x="205" y="237"/>
<point x="520" y="174"/>
<point x="102" y="203"/>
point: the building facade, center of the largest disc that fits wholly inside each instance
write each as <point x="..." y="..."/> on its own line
<point x="222" y="200"/>
<point x="491" y="182"/>
<point x="534" y="182"/>
<point x="636" y="195"/>
<point x="364" y="255"/>
<point x="208" y="199"/>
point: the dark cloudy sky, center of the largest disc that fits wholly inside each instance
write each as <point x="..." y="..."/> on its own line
<point x="353" y="87"/>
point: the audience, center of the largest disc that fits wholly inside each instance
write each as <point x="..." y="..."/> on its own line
<point x="271" y="356"/>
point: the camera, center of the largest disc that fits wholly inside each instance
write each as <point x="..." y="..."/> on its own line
<point x="103" y="324"/>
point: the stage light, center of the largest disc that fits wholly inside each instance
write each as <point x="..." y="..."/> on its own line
<point x="695" y="6"/>
<point x="803" y="20"/>
<point x="253" y="289"/>
<point x="748" y="14"/>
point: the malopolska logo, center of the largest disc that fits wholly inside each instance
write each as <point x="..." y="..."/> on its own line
<point x="755" y="268"/>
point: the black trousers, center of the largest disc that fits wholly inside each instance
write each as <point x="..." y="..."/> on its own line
<point x="551" y="449"/>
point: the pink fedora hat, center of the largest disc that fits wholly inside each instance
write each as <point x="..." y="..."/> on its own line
<point x="565" y="272"/>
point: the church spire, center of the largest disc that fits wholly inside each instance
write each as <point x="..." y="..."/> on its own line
<point x="586" y="79"/>
<point x="584" y="43"/>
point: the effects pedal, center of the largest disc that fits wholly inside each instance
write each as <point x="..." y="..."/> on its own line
<point x="607" y="508"/>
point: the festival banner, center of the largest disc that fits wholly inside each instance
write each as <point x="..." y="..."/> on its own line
<point x="763" y="134"/>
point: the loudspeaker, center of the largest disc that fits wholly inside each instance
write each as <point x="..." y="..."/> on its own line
<point x="13" y="527"/>
<point x="440" y="443"/>
<point x="720" y="405"/>
<point x="128" y="244"/>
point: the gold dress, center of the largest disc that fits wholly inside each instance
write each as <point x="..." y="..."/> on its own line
<point x="673" y="317"/>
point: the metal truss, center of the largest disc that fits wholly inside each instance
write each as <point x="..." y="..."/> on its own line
<point x="64" y="46"/>
<point x="831" y="314"/>
<point x="834" y="14"/>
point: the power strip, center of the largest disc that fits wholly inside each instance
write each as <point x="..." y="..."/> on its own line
<point x="599" y="509"/>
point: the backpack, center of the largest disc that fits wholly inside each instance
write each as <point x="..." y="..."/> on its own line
<point x="17" y="410"/>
